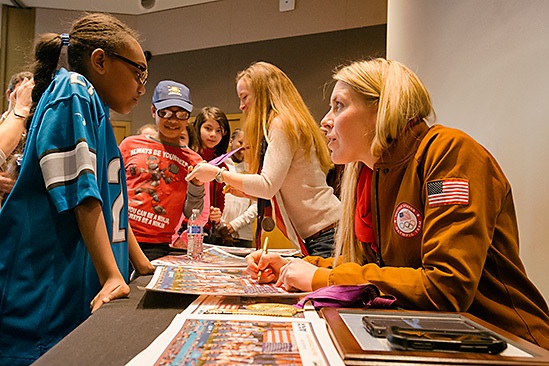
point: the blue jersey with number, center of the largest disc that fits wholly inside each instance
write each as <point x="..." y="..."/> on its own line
<point x="47" y="278"/>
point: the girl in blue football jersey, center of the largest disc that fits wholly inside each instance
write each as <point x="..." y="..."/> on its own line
<point x="65" y="233"/>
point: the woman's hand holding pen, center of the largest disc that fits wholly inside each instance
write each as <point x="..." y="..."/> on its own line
<point x="270" y="265"/>
<point x="293" y="274"/>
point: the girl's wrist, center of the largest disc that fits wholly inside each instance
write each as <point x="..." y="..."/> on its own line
<point x="19" y="114"/>
<point x="23" y="108"/>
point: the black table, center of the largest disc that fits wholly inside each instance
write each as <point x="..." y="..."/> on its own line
<point x="119" y="330"/>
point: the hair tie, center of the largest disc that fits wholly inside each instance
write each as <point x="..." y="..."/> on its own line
<point x="63" y="60"/>
<point x="65" y="38"/>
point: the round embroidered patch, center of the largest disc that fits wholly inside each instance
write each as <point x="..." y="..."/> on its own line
<point x="407" y="221"/>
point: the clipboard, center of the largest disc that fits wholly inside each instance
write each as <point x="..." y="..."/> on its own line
<point x="357" y="347"/>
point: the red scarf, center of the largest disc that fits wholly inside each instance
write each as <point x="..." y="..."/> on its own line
<point x="208" y="154"/>
<point x="364" y="229"/>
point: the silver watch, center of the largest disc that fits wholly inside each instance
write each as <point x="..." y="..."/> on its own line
<point x="219" y="175"/>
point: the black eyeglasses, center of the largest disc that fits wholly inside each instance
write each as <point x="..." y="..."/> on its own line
<point x="143" y="73"/>
<point x="166" y="113"/>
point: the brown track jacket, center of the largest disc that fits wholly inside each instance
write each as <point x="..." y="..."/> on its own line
<point x="445" y="221"/>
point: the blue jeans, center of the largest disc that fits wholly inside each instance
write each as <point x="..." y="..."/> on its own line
<point x="322" y="245"/>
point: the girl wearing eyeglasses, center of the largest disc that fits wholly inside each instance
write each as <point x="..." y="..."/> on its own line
<point x="65" y="240"/>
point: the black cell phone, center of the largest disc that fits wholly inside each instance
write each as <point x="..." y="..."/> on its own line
<point x="378" y="325"/>
<point x="445" y="340"/>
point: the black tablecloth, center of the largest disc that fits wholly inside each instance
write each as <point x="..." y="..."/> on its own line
<point x="118" y="331"/>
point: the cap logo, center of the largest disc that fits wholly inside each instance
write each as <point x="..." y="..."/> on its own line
<point x="407" y="221"/>
<point x="174" y="90"/>
<point x="169" y="93"/>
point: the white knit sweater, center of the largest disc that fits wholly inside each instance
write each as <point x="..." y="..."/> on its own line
<point x="296" y="173"/>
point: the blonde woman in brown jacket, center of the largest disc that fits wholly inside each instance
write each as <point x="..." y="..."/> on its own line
<point x="428" y="213"/>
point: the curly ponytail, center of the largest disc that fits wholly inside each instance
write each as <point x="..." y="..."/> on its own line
<point x="46" y="54"/>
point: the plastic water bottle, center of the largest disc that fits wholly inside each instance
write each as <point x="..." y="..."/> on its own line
<point x="195" y="235"/>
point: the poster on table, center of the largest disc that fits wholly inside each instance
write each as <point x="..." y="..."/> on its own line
<point x="212" y="257"/>
<point x="200" y="339"/>
<point x="213" y="281"/>
<point x="262" y="306"/>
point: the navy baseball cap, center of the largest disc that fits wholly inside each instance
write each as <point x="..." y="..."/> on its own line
<point x="170" y="93"/>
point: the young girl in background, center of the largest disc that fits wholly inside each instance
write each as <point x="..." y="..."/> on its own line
<point x="237" y="219"/>
<point x="211" y="127"/>
<point x="65" y="232"/>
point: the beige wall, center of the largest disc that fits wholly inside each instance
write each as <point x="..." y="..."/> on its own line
<point x="228" y="22"/>
<point x="485" y="65"/>
<point x="232" y="22"/>
<point x="16" y="38"/>
<point x="205" y="45"/>
<point x="308" y="61"/>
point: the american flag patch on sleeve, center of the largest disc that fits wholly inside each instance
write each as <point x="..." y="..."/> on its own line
<point x="448" y="192"/>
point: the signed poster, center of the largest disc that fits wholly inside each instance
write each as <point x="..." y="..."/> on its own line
<point x="212" y="281"/>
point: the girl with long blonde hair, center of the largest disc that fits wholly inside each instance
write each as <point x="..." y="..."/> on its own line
<point x="287" y="159"/>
